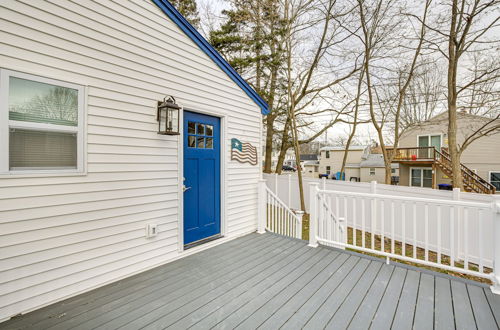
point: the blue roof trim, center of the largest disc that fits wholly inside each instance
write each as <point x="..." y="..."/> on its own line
<point x="192" y="33"/>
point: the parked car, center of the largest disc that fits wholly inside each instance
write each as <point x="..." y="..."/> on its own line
<point x="288" y="168"/>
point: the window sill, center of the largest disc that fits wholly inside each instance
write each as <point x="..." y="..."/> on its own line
<point x="40" y="174"/>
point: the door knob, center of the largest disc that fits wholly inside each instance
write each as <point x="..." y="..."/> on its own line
<point x="184" y="188"/>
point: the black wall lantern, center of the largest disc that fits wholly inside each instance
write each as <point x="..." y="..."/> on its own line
<point x="168" y="116"/>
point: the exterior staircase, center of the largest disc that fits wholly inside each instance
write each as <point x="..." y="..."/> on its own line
<point x="472" y="182"/>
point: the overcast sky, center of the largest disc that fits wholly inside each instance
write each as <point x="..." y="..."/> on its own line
<point x="210" y="15"/>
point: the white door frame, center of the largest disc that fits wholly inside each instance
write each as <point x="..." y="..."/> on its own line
<point x="223" y="171"/>
<point x="429" y="135"/>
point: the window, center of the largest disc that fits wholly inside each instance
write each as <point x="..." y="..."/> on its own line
<point x="393" y="170"/>
<point x="495" y="179"/>
<point x="328" y="169"/>
<point x="200" y="136"/>
<point x="433" y="140"/>
<point x="421" y="177"/>
<point x="41" y="124"/>
<point x="372" y="171"/>
<point x="327" y="154"/>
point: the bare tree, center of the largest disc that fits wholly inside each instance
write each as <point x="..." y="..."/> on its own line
<point x="462" y="32"/>
<point x="424" y="96"/>
<point x="355" y="122"/>
<point x="317" y="66"/>
<point x="379" y="22"/>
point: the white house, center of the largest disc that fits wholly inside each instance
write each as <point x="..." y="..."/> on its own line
<point x="90" y="193"/>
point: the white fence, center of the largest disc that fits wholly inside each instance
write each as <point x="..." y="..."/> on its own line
<point x="286" y="188"/>
<point x="445" y="229"/>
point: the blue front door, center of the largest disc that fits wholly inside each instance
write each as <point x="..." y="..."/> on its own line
<point x="201" y="176"/>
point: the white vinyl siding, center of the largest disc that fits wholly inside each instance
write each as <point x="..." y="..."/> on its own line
<point x="66" y="234"/>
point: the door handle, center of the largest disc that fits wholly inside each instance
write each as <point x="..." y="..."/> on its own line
<point x="184" y="188"/>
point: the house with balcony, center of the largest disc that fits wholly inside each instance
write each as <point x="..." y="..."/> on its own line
<point x="424" y="161"/>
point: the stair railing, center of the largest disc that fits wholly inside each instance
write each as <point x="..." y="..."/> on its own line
<point x="469" y="176"/>
<point x="275" y="216"/>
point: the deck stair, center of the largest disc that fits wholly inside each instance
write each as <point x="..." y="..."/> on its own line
<point x="441" y="158"/>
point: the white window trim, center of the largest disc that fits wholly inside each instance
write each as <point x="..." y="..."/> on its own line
<point x="429" y="135"/>
<point x="370" y="171"/>
<point x="5" y="124"/>
<point x="422" y="176"/>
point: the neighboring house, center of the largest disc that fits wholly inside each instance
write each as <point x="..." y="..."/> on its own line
<point x="290" y="158"/>
<point x="372" y="168"/>
<point x="90" y="192"/>
<point x="361" y="164"/>
<point x="331" y="161"/>
<point x="422" y="168"/>
<point x="310" y="168"/>
<point x="309" y="164"/>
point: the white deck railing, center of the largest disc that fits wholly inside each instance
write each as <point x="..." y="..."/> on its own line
<point x="275" y="216"/>
<point x="459" y="236"/>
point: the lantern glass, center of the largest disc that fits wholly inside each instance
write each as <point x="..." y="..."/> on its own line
<point x="163" y="119"/>
<point x="173" y="124"/>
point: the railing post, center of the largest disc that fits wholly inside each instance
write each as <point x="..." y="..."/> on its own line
<point x="276" y="184"/>
<point x="300" y="215"/>
<point x="262" y="207"/>
<point x="289" y="190"/>
<point x="373" y="187"/>
<point x="495" y="288"/>
<point x="458" y="235"/>
<point x="373" y="208"/>
<point x="313" y="214"/>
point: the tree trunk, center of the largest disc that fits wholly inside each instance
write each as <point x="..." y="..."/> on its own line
<point x="452" y="99"/>
<point x="355" y="124"/>
<point x="269" y="143"/>
<point x="281" y="158"/>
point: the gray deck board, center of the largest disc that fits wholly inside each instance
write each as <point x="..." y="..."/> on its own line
<point x="405" y="311"/>
<point x="481" y="308"/>
<point x="464" y="318"/>
<point x="283" y="293"/>
<point x="364" y="315"/>
<point x="270" y="282"/>
<point x="444" y="315"/>
<point x="282" y="278"/>
<point x="125" y="305"/>
<point x="224" y="311"/>
<point x="304" y="313"/>
<point x="253" y="314"/>
<point x="385" y="312"/>
<point x="346" y="311"/>
<point x="292" y="305"/>
<point x="424" y="312"/>
<point x="110" y="296"/>
<point x="164" y="302"/>
<point x="72" y="306"/>
<point x="494" y="301"/>
<point x="320" y="319"/>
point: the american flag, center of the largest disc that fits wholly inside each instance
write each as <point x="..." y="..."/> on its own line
<point x="243" y="152"/>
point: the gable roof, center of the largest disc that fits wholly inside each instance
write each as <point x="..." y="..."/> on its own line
<point x="308" y="157"/>
<point x="194" y="35"/>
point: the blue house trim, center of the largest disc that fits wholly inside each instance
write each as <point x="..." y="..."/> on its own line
<point x="192" y="33"/>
